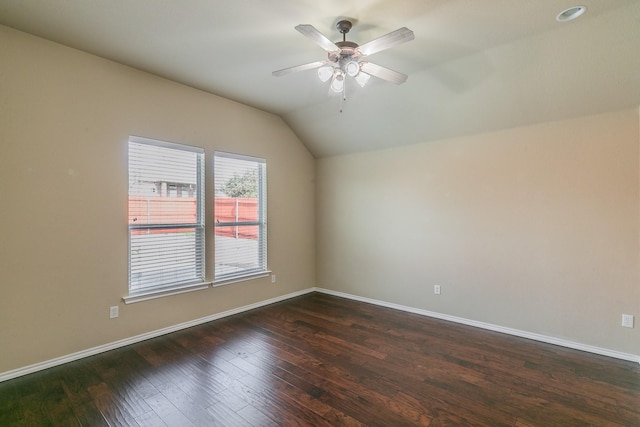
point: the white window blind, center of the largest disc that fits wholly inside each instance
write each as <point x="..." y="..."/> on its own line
<point x="240" y="210"/>
<point x="166" y="215"/>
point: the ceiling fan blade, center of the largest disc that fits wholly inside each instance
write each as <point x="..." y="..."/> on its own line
<point x="315" y="35"/>
<point x="297" y="68"/>
<point x="383" y="73"/>
<point x="394" y="38"/>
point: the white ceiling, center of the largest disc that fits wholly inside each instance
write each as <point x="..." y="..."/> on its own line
<point x="474" y="66"/>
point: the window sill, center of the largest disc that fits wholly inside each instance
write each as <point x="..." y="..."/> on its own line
<point x="160" y="293"/>
<point x="236" y="279"/>
<point x="144" y="296"/>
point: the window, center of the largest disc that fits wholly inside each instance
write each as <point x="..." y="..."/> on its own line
<point x="166" y="216"/>
<point x="240" y="210"/>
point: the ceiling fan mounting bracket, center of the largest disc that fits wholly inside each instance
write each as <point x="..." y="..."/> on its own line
<point x="344" y="26"/>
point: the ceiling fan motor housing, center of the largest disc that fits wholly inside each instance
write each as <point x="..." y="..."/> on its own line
<point x="346" y="59"/>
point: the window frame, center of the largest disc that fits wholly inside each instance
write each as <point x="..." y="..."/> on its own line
<point x="262" y="270"/>
<point x="188" y="284"/>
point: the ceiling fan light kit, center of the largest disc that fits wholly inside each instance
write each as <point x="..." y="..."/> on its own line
<point x="344" y="58"/>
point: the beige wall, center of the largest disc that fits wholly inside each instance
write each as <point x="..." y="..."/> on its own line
<point x="534" y="228"/>
<point x="65" y="117"/>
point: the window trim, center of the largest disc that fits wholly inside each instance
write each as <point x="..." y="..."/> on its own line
<point x="164" y="292"/>
<point x="241" y="278"/>
<point x="261" y="223"/>
<point x="199" y="226"/>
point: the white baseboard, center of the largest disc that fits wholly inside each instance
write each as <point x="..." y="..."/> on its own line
<point x="4" y="376"/>
<point x="491" y="327"/>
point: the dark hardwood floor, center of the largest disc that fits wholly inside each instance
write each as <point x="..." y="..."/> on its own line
<point x="319" y="360"/>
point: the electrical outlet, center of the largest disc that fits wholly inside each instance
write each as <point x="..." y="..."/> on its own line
<point x="273" y="278"/>
<point x="627" y="320"/>
<point x="436" y="289"/>
<point x="113" y="312"/>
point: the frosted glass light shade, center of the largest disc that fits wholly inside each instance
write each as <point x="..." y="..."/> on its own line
<point x="325" y="73"/>
<point x="362" y="79"/>
<point x="352" y="68"/>
<point x="337" y="84"/>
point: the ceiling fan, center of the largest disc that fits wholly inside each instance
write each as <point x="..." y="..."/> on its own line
<point x="345" y="58"/>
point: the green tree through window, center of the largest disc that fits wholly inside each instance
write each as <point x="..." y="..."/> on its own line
<point x="245" y="185"/>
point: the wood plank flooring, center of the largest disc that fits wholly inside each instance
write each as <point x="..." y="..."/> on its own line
<point x="319" y="360"/>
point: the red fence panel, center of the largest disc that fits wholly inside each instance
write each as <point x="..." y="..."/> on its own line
<point x="241" y="209"/>
<point x="161" y="210"/>
<point x="182" y="210"/>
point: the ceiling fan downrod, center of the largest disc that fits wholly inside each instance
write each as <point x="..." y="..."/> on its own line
<point x="343" y="27"/>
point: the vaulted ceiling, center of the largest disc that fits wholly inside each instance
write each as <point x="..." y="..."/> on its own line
<point x="474" y="66"/>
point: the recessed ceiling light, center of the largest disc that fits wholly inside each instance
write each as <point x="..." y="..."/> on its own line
<point x="571" y="13"/>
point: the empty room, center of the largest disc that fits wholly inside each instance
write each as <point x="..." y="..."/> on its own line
<point x="292" y="213"/>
